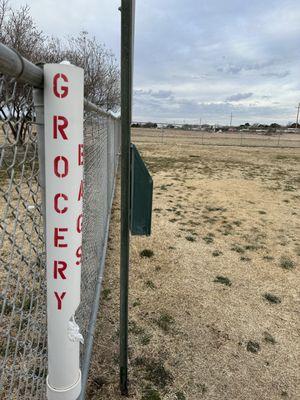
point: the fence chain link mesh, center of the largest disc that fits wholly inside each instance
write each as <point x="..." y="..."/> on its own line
<point x="101" y="139"/>
<point x="23" y="329"/>
<point x="23" y="284"/>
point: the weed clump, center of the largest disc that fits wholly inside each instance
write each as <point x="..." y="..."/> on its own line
<point x="272" y="298"/>
<point x="99" y="382"/>
<point x="150" y="394"/>
<point x="237" y="222"/>
<point x="243" y="258"/>
<point x="136" y="303"/>
<point x="208" y="239"/>
<point x="210" y="209"/>
<point x="253" y="347"/>
<point x="268" y="258"/>
<point x="286" y="263"/>
<point x="150" y="284"/>
<point x="190" y="238"/>
<point x="145" y="339"/>
<point x="135" y="329"/>
<point x="269" y="338"/>
<point x="238" y="248"/>
<point x="223" y="280"/>
<point x="158" y="374"/>
<point x="252" y="247"/>
<point x="165" y="321"/>
<point x="105" y="294"/>
<point x="216" y="253"/>
<point x="180" y="396"/>
<point x="146" y="253"/>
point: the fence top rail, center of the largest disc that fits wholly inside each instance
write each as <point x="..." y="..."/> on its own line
<point x="89" y="106"/>
<point x="18" y="67"/>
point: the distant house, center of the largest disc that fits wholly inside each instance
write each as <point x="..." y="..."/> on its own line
<point x="290" y="130"/>
<point x="261" y="131"/>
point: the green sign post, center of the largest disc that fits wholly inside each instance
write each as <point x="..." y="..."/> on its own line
<point x="127" y="34"/>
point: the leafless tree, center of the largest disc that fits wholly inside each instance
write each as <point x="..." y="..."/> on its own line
<point x="99" y="64"/>
<point x="19" y="31"/>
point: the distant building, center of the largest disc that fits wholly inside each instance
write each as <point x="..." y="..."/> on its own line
<point x="290" y="130"/>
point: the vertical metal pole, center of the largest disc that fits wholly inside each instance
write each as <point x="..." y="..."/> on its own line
<point x="297" y="119"/>
<point x="127" y="11"/>
<point x="38" y="100"/>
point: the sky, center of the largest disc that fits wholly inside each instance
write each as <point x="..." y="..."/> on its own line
<point x="197" y="59"/>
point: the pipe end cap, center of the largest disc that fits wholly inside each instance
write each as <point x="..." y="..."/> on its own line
<point x="71" y="393"/>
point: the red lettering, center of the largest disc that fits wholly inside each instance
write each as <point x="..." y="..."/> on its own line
<point x="78" y="255"/>
<point x="60" y="123"/>
<point x="61" y="91"/>
<point x="65" y="166"/>
<point x="79" y="223"/>
<point x="58" y="237"/>
<point x="56" y="205"/>
<point x="60" y="270"/>
<point x="80" y="194"/>
<point x="80" y="154"/>
<point x="59" y="298"/>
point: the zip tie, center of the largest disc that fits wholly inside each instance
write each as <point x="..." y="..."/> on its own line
<point x="73" y="331"/>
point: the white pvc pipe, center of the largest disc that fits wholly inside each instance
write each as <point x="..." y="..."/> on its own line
<point x="63" y="102"/>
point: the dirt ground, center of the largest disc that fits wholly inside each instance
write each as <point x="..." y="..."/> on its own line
<point x="214" y="292"/>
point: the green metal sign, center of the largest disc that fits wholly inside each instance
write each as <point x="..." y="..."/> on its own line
<point x="141" y="195"/>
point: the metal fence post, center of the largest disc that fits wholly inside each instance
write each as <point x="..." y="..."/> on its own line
<point x="110" y="169"/>
<point x="127" y="22"/>
<point x="38" y="100"/>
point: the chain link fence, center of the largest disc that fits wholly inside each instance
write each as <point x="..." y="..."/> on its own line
<point x="23" y="285"/>
<point x="23" y="330"/>
<point x="278" y="139"/>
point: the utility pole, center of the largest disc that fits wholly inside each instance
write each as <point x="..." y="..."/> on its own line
<point x="297" y="119"/>
<point x="84" y="33"/>
<point x="230" y="119"/>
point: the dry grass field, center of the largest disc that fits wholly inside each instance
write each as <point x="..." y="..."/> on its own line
<point x="214" y="292"/>
<point x="175" y="136"/>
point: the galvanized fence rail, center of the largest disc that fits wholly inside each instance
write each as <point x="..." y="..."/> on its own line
<point x="23" y="330"/>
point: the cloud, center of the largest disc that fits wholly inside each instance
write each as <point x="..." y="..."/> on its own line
<point x="282" y="74"/>
<point x="236" y="69"/>
<point x="239" y="96"/>
<point x="191" y="55"/>
<point x="160" y="94"/>
<point x="218" y="112"/>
